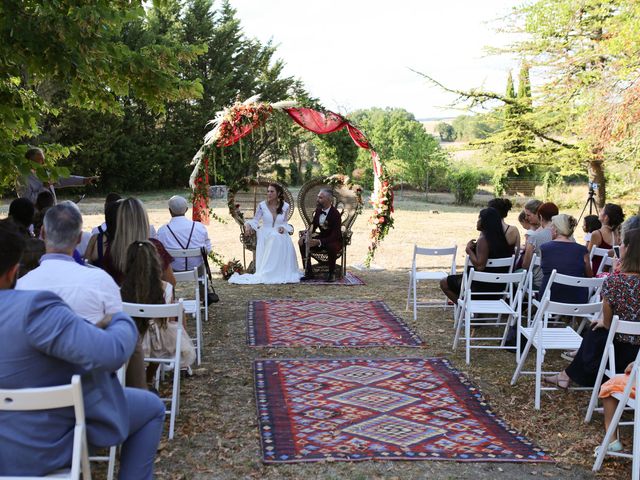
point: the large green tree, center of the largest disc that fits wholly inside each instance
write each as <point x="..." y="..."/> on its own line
<point x="235" y="67"/>
<point x="71" y="54"/>
<point x="585" y="55"/>
<point x="144" y="148"/>
<point x="410" y="153"/>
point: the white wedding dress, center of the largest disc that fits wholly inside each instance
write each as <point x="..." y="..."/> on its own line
<point x="276" y="260"/>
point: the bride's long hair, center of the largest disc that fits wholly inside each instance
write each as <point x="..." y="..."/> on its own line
<point x="280" y="192"/>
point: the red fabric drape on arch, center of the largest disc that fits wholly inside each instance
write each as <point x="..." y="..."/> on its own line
<point x="328" y="122"/>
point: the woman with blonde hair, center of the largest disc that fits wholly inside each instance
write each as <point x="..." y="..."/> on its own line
<point x="567" y="257"/>
<point x="132" y="225"/>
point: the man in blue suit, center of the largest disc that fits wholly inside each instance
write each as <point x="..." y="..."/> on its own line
<point x="43" y="343"/>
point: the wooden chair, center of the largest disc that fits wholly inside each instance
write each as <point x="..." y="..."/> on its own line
<point x="348" y="203"/>
<point x="243" y="201"/>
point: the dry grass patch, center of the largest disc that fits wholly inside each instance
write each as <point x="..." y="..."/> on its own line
<point x="216" y="431"/>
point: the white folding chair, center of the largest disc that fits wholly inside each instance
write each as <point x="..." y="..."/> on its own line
<point x="531" y="292"/>
<point x="47" y="398"/>
<point x="608" y="362"/>
<point x="164" y="311"/>
<point x="607" y="261"/>
<point x="469" y="305"/>
<point x="416" y="276"/>
<point x="624" y="402"/>
<point x="202" y="278"/>
<point x="192" y="306"/>
<point x="543" y="338"/>
<point x="505" y="262"/>
<point x="598" y="252"/>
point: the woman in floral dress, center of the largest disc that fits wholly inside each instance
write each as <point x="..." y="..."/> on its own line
<point x="620" y="296"/>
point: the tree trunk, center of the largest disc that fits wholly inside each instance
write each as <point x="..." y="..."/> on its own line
<point x="596" y="175"/>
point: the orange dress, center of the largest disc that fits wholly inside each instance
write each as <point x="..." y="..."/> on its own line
<point x="617" y="384"/>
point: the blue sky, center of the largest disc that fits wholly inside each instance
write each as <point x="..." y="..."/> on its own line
<point x="356" y="54"/>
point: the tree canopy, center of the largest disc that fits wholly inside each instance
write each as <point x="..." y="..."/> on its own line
<point x="410" y="153"/>
<point x="72" y="54"/>
<point x="584" y="54"/>
<point x="125" y="89"/>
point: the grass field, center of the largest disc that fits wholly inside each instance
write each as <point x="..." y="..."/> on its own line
<point x="217" y="435"/>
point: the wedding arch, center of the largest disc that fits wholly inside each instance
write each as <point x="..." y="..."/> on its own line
<point x="238" y="120"/>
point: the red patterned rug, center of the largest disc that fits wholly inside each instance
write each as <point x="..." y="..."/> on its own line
<point x="328" y="323"/>
<point x="394" y="409"/>
<point x="349" y="280"/>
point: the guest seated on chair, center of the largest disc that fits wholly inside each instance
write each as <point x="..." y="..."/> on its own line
<point x="492" y="243"/>
<point x="590" y="223"/>
<point x="44" y="201"/>
<point x="608" y="235"/>
<point x="327" y="220"/>
<point x="620" y="296"/>
<point x="44" y="343"/>
<point x="132" y="225"/>
<point x="21" y="211"/>
<point x="109" y="199"/>
<point x="567" y="257"/>
<point x="90" y="292"/>
<point x="541" y="236"/>
<point x="503" y="206"/>
<point x="143" y="284"/>
<point x="99" y="242"/>
<point x="617" y="384"/>
<point x="182" y="233"/>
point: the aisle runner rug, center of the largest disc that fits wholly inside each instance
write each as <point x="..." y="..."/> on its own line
<point x="349" y="280"/>
<point x="395" y="409"/>
<point x="329" y="323"/>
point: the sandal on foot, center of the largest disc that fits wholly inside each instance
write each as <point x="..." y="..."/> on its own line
<point x="569" y="356"/>
<point x="557" y="381"/>
<point x="614" y="446"/>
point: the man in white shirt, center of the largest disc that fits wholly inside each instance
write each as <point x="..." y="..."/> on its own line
<point x="90" y="292"/>
<point x="182" y="233"/>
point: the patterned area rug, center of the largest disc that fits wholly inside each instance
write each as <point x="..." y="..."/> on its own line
<point x="349" y="280"/>
<point x="329" y="323"/>
<point x="395" y="409"/>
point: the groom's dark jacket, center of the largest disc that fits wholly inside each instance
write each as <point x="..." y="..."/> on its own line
<point x="330" y="232"/>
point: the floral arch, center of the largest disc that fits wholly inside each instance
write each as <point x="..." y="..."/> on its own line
<point x="238" y="120"/>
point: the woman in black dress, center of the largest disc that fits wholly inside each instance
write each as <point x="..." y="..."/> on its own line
<point x="492" y="243"/>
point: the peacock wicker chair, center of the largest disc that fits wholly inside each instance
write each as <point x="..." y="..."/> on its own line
<point x="243" y="199"/>
<point x="348" y="201"/>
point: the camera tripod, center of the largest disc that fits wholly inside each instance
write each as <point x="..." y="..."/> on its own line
<point x="591" y="203"/>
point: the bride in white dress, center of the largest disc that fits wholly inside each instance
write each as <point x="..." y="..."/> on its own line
<point x="276" y="260"/>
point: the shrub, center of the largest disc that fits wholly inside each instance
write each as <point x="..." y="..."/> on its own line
<point x="463" y="183"/>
